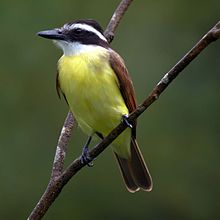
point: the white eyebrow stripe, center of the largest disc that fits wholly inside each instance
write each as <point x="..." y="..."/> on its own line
<point x="88" y="28"/>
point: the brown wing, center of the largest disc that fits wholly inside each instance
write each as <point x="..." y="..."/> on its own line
<point x="125" y="83"/>
<point x="134" y="170"/>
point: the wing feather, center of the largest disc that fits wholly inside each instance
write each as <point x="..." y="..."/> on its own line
<point x="124" y="83"/>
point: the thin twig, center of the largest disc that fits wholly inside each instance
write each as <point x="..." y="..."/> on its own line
<point x="58" y="163"/>
<point x="115" y="19"/>
<point x="58" y="180"/>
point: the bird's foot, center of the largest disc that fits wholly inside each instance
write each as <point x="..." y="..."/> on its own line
<point x="125" y="121"/>
<point x="85" y="158"/>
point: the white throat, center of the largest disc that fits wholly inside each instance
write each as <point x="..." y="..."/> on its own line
<point x="74" y="48"/>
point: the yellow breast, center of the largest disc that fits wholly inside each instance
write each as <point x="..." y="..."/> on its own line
<point x="91" y="89"/>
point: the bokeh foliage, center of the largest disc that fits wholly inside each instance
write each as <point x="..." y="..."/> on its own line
<point x="179" y="134"/>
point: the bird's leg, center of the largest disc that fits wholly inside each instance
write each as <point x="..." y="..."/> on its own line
<point x="85" y="158"/>
<point x="125" y="121"/>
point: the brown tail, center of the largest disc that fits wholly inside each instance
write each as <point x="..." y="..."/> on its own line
<point x="134" y="170"/>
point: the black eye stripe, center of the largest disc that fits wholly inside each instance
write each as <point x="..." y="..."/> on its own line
<point x="83" y="36"/>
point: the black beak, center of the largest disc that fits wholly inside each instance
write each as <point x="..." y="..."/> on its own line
<point x="54" y="34"/>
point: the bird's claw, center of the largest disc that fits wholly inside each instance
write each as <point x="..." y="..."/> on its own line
<point x="85" y="158"/>
<point x="125" y="121"/>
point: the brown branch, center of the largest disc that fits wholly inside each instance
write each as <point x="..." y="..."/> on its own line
<point x="210" y="37"/>
<point x="115" y="19"/>
<point x="58" y="163"/>
<point x="58" y="178"/>
<point x="56" y="186"/>
<point x="58" y="181"/>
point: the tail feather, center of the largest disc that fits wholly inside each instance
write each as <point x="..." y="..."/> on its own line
<point x="126" y="174"/>
<point x="134" y="170"/>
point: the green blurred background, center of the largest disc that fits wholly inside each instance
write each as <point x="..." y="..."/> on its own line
<point x="179" y="134"/>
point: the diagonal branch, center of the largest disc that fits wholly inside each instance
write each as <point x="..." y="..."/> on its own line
<point x="210" y="37"/>
<point x="54" y="189"/>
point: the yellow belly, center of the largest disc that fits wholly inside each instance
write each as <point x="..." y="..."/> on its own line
<point x="92" y="92"/>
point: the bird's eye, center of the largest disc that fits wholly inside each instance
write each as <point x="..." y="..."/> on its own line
<point x="59" y="31"/>
<point x="78" y="31"/>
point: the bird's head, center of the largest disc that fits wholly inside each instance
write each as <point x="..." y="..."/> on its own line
<point x="77" y="36"/>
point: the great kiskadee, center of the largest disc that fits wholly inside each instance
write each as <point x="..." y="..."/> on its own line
<point x="98" y="89"/>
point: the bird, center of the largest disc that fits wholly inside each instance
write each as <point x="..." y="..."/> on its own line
<point x="96" y="85"/>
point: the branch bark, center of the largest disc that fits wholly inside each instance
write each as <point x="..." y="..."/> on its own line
<point x="59" y="178"/>
<point x="58" y="163"/>
<point x="115" y="19"/>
